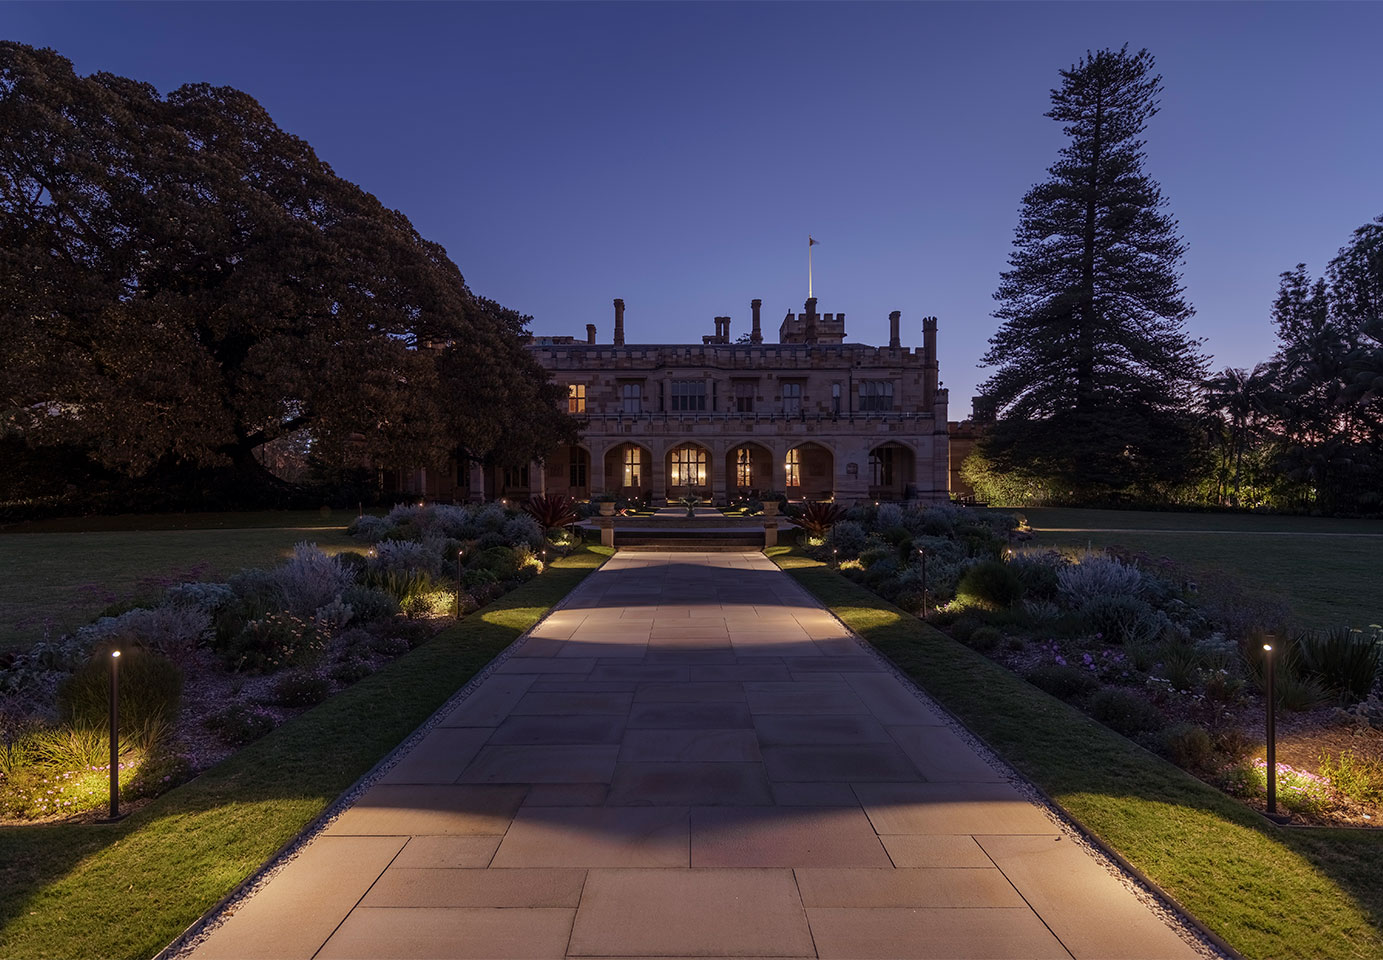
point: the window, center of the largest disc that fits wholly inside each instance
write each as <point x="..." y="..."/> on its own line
<point x="744" y="396"/>
<point x="881" y="467"/>
<point x="794" y="468"/>
<point x="515" y="477"/>
<point x="688" y="467"/>
<point x="792" y="399"/>
<point x="835" y="399"/>
<point x="876" y="395"/>
<point x="578" y="471"/>
<point x="744" y="468"/>
<point x="631" y="398"/>
<point x="576" y="398"/>
<point x="633" y="467"/>
<point x="688" y="395"/>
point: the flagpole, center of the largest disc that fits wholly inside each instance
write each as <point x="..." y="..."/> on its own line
<point x="809" y="268"/>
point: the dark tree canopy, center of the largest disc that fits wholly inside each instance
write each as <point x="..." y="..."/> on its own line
<point x="182" y="281"/>
<point x="1095" y="371"/>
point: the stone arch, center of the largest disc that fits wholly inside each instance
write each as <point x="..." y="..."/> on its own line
<point x="689" y="466"/>
<point x="812" y="466"/>
<point x="748" y="460"/>
<point x="892" y="468"/>
<point x="628" y="469"/>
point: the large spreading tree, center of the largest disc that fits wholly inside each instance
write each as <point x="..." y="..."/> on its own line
<point x="1096" y="374"/>
<point x="181" y="282"/>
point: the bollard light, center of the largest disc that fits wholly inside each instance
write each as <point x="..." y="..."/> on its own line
<point x="835" y="558"/>
<point x="1272" y="730"/>
<point x="543" y="557"/>
<point x="922" y="553"/>
<point x="115" y="734"/>
<point x="459" y="554"/>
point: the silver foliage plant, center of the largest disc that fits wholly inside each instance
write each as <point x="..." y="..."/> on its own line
<point x="1095" y="577"/>
<point x="310" y="579"/>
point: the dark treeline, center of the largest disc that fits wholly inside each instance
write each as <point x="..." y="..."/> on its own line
<point x="183" y="286"/>
<point x="1100" y="396"/>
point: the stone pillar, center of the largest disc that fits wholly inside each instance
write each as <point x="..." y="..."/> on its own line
<point x="851" y="486"/>
<point x="780" y="472"/>
<point x="929" y="370"/>
<point x="894" y="319"/>
<point x="756" y="335"/>
<point x="809" y="316"/>
<point x="595" y="475"/>
<point x="770" y="533"/>
<point x="658" y="476"/>
<point x="607" y="530"/>
<point x="619" y="323"/>
<point x="537" y="478"/>
<point x="590" y="333"/>
<point x="477" y="484"/>
<point x="715" y="462"/>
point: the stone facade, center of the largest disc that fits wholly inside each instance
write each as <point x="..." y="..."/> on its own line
<point x="810" y="416"/>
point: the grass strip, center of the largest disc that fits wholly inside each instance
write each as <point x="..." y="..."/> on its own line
<point x="1269" y="892"/>
<point x="71" y="892"/>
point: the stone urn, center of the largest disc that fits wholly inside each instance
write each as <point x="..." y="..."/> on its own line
<point x="607" y="508"/>
<point x="770" y="508"/>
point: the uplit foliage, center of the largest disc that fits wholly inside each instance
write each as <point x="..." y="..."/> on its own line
<point x="818" y="516"/>
<point x="551" y="510"/>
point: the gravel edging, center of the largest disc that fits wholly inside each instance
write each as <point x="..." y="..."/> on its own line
<point x="1199" y="937"/>
<point x="197" y="933"/>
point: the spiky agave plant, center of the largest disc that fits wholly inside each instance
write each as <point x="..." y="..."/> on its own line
<point x="551" y="510"/>
<point x="819" y="516"/>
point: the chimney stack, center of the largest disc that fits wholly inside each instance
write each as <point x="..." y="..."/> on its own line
<point x="809" y="320"/>
<point x="723" y="329"/>
<point x="619" y="323"/>
<point x="894" y="319"/>
<point x="929" y="371"/>
<point x="757" y="334"/>
<point x="590" y="333"/>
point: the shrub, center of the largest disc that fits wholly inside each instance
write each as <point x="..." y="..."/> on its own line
<point x="150" y="687"/>
<point x="241" y="723"/>
<point x="990" y="585"/>
<point x="501" y="562"/>
<point x="390" y="645"/>
<point x="301" y="689"/>
<point x="402" y="556"/>
<point x="887" y="516"/>
<point x="175" y="632"/>
<point x="1181" y="667"/>
<point x="1097" y="577"/>
<point x="876" y="553"/>
<point x="1122" y="619"/>
<point x="1124" y="711"/>
<point x="1342" y="659"/>
<point x="1062" y="680"/>
<point x="259" y="591"/>
<point x="1038" y="574"/>
<point x="207" y="597"/>
<point x="479" y="577"/>
<point x="275" y="641"/>
<point x="371" y="529"/>
<point x="523" y="530"/>
<point x="985" y="639"/>
<point x="1356" y="779"/>
<point x="847" y="538"/>
<point x="963" y="627"/>
<point x="351" y="671"/>
<point x="1187" y="745"/>
<point x="370" y="603"/>
<point x="819" y="516"/>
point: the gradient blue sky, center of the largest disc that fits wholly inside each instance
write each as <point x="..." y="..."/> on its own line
<point x="678" y="155"/>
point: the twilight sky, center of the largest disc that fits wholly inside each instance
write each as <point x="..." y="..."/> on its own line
<point x="678" y="155"/>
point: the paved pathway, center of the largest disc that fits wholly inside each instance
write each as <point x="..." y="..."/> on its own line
<point x="692" y="758"/>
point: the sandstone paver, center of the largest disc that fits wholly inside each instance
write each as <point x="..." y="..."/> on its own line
<point x="692" y="758"/>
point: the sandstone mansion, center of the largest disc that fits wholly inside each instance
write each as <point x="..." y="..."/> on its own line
<point x="810" y="416"/>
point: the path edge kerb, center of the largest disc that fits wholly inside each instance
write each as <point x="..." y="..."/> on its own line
<point x="203" y="926"/>
<point x="1169" y="902"/>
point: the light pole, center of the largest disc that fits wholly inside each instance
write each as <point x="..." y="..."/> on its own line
<point x="115" y="735"/>
<point x="922" y="552"/>
<point x="1272" y="730"/>
<point x="459" y="554"/>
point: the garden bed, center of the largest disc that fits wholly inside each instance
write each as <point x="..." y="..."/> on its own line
<point x="1171" y="660"/>
<point x="207" y="668"/>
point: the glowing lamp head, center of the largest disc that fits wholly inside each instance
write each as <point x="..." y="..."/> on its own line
<point x="1268" y="647"/>
<point x="114" y="654"/>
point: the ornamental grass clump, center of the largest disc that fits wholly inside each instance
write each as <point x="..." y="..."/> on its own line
<point x="150" y="688"/>
<point x="989" y="585"/>
<point x="1344" y="660"/>
<point x="1298" y="791"/>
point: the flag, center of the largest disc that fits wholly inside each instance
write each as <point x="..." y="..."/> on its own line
<point x="811" y="242"/>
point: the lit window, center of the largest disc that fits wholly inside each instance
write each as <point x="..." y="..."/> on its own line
<point x="688" y="467"/>
<point x="744" y="468"/>
<point x="576" y="398"/>
<point x="633" y="467"/>
<point x="794" y="468"/>
<point x="688" y="395"/>
<point x="631" y="397"/>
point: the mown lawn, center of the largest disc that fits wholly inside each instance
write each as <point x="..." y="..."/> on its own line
<point x="1270" y="892"/>
<point x="59" y="574"/>
<point x="1327" y="569"/>
<point x="125" y="891"/>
